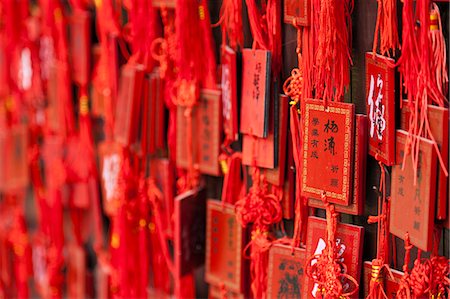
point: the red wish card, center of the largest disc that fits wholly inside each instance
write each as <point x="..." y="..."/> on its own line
<point x="76" y="272"/>
<point x="349" y="238"/>
<point x="391" y="285"/>
<point x="229" y="93"/>
<point x="206" y="128"/>
<point x="255" y="92"/>
<point x="285" y="276"/>
<point x="14" y="158"/>
<point x="328" y="150"/>
<point x="110" y="157"/>
<point x="413" y="204"/>
<point x="356" y="207"/>
<point x="380" y="101"/>
<point x="80" y="46"/>
<point x="128" y="104"/>
<point x="438" y="118"/>
<point x="162" y="171"/>
<point x="224" y="245"/>
<point x="297" y="11"/>
<point x="190" y="228"/>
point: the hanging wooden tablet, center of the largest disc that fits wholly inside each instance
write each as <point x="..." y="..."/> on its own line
<point x="349" y="239"/>
<point x="255" y="92"/>
<point x="439" y="126"/>
<point x="14" y="158"/>
<point x="297" y="11"/>
<point x="328" y="150"/>
<point x="229" y="86"/>
<point x="285" y="276"/>
<point x="380" y="102"/>
<point x="391" y="284"/>
<point x="413" y="198"/>
<point x="110" y="157"/>
<point x="190" y="228"/>
<point x="129" y="104"/>
<point x="356" y="207"/>
<point x="224" y="244"/>
<point x="206" y="128"/>
<point x="80" y="46"/>
<point x="162" y="171"/>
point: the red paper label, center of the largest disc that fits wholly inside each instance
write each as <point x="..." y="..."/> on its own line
<point x="298" y="11"/>
<point x="328" y="150"/>
<point x="206" y="127"/>
<point x="356" y="207"/>
<point x="438" y="118"/>
<point x="412" y="205"/>
<point x="128" y="104"/>
<point x="224" y="239"/>
<point x="190" y="226"/>
<point x="229" y="93"/>
<point x="348" y="237"/>
<point x="285" y="275"/>
<point x="14" y="158"/>
<point x="391" y="285"/>
<point x="110" y="165"/>
<point x="380" y="100"/>
<point x="255" y="92"/>
<point x="80" y="46"/>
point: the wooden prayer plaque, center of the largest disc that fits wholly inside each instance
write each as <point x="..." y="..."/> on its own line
<point x="349" y="238"/>
<point x="285" y="276"/>
<point x="356" y="207"/>
<point x="190" y="228"/>
<point x="413" y="204"/>
<point x="224" y="240"/>
<point x="438" y="118"/>
<point x="380" y="101"/>
<point x="298" y="11"/>
<point x="390" y="285"/>
<point x="328" y="150"/>
<point x="230" y="93"/>
<point x="255" y="92"/>
<point x="80" y="46"/>
<point x="206" y="128"/>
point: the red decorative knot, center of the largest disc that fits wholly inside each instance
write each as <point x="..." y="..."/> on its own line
<point x="293" y="85"/>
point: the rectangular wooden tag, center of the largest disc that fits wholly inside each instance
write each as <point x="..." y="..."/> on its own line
<point x="349" y="238"/>
<point x="163" y="172"/>
<point x="230" y="93"/>
<point x="390" y="285"/>
<point x="439" y="126"/>
<point x="224" y="240"/>
<point x="206" y="128"/>
<point x="190" y="228"/>
<point x="80" y="46"/>
<point x="356" y="207"/>
<point x="129" y="104"/>
<point x="380" y="102"/>
<point x="160" y="111"/>
<point x="215" y="292"/>
<point x="110" y="157"/>
<point x="14" y="158"/>
<point x="255" y="92"/>
<point x="413" y="206"/>
<point x="285" y="276"/>
<point x="298" y="11"/>
<point x="54" y="110"/>
<point x="328" y="150"/>
<point x="76" y="272"/>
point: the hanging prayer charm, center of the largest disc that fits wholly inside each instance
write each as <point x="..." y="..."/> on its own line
<point x="328" y="150"/>
<point x="380" y="102"/>
<point x="297" y="12"/>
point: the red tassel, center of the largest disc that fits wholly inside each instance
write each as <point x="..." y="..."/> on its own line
<point x="231" y="23"/>
<point x="386" y="28"/>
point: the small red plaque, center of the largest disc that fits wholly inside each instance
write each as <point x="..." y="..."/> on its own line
<point x="76" y="272"/>
<point x="413" y="205"/>
<point x="297" y="11"/>
<point x="215" y="292"/>
<point x="224" y="240"/>
<point x="285" y="276"/>
<point x="229" y="93"/>
<point x="328" y="150"/>
<point x="255" y="92"/>
<point x="380" y="101"/>
<point x="391" y="285"/>
<point x="80" y="46"/>
<point x="348" y="237"/>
